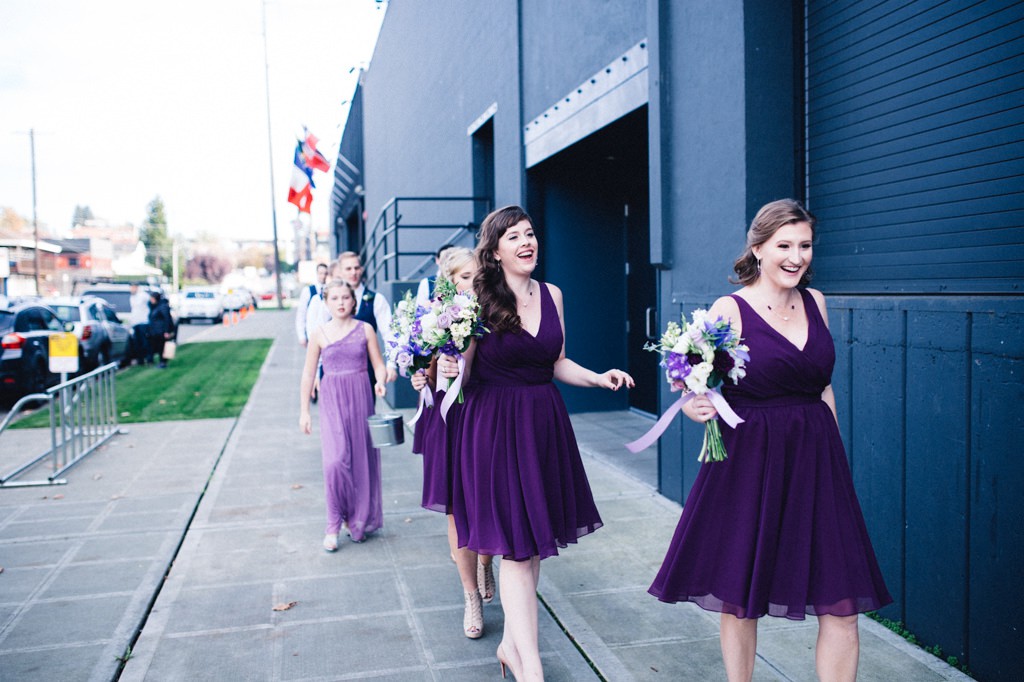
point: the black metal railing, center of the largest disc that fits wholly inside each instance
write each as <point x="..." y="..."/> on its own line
<point x="382" y="255"/>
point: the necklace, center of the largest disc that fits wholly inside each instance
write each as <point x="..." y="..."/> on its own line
<point x="525" y="303"/>
<point x="773" y="311"/>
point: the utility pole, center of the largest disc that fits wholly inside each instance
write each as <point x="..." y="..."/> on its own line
<point x="35" y="218"/>
<point x="270" y="151"/>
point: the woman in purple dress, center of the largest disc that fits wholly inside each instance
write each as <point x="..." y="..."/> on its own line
<point x="352" y="482"/>
<point x="776" y="528"/>
<point x="519" y="489"/>
<point x="457" y="265"/>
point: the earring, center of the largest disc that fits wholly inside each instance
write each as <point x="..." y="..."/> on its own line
<point x="758" y="266"/>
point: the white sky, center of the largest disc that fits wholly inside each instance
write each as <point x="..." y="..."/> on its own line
<point x="136" y="98"/>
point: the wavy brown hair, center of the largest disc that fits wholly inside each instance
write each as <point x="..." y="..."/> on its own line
<point x="497" y="300"/>
<point x="766" y="223"/>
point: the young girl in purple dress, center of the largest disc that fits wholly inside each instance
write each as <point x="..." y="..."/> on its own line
<point x="457" y="265"/>
<point x="519" y="489"/>
<point x="776" y="529"/>
<point x="351" y="464"/>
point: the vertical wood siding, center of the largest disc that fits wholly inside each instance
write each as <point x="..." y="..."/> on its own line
<point x="929" y="394"/>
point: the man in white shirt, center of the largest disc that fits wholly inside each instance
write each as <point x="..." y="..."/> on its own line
<point x="426" y="287"/>
<point x="305" y="297"/>
<point x="138" y="318"/>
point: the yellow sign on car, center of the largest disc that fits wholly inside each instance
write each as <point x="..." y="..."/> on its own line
<point x="63" y="353"/>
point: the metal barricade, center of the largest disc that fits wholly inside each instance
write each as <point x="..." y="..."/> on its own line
<point x="83" y="416"/>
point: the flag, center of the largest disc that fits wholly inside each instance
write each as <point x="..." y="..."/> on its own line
<point x="313" y="158"/>
<point x="300" y="189"/>
<point x="307" y="158"/>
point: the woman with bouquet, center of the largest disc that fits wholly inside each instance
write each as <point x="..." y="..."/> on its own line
<point x="519" y="489"/>
<point x="457" y="265"/>
<point x="775" y="529"/>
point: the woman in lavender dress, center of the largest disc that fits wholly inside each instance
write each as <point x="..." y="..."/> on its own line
<point x="352" y="482"/>
<point x="776" y="529"/>
<point x="457" y="265"/>
<point x="519" y="489"/>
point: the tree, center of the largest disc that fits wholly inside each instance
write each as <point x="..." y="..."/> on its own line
<point x="208" y="266"/>
<point x="82" y="213"/>
<point x="153" y="234"/>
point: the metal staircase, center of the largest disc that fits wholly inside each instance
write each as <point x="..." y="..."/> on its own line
<point x="408" y="232"/>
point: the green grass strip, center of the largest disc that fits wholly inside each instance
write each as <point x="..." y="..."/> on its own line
<point x="208" y="380"/>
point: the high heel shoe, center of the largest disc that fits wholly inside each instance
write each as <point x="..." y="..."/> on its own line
<point x="485" y="580"/>
<point x="503" y="662"/>
<point x="473" y="616"/>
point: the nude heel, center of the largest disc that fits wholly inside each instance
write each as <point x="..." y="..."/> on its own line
<point x="485" y="580"/>
<point x="473" y="616"/>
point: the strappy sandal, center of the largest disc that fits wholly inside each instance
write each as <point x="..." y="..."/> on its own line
<point x="485" y="580"/>
<point x="473" y="617"/>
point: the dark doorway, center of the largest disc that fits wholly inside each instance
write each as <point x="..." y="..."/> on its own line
<point x="591" y="205"/>
<point x="483" y="170"/>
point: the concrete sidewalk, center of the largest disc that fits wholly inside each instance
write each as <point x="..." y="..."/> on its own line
<point x="82" y="571"/>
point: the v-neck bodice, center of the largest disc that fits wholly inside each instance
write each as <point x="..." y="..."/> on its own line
<point x="778" y="370"/>
<point x="512" y="359"/>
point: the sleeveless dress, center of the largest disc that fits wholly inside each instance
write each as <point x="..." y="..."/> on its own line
<point x="351" y="464"/>
<point x="776" y="528"/>
<point x="518" y="486"/>
<point x="437" y="453"/>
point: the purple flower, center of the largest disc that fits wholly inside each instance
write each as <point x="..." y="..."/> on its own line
<point x="676" y="366"/>
<point x="444" y="320"/>
<point x="723" y="363"/>
<point x="404" y="359"/>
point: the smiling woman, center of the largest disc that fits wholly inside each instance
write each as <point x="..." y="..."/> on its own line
<point x="796" y="543"/>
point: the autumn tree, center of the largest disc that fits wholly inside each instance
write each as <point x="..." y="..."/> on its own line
<point x="207" y="266"/>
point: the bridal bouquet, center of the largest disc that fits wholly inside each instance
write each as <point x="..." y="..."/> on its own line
<point x="405" y="344"/>
<point x="698" y="357"/>
<point x="450" y="323"/>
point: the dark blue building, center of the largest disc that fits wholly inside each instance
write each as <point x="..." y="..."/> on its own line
<point x="642" y="135"/>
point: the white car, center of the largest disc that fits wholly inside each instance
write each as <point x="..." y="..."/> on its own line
<point x="200" y="303"/>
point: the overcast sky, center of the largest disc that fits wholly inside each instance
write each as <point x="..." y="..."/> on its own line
<point x="136" y="98"/>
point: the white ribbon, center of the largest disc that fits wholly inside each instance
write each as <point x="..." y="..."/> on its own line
<point x="452" y="392"/>
<point x="724" y="411"/>
<point x="426" y="398"/>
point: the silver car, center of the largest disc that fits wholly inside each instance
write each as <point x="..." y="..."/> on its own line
<point x="102" y="338"/>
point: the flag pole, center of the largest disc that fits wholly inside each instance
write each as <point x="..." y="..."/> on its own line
<point x="270" y="154"/>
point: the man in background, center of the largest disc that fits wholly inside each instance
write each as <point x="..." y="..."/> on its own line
<point x="138" y="318"/>
<point x="306" y="296"/>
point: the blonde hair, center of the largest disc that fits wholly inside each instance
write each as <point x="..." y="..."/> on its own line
<point x="454" y="259"/>
<point x="336" y="284"/>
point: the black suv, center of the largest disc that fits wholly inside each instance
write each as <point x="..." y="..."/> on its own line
<point x="25" y="331"/>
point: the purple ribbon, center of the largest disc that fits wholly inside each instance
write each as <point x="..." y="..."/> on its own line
<point x="724" y="411"/>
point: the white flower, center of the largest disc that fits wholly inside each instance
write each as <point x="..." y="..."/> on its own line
<point x="428" y="322"/>
<point x="697" y="380"/>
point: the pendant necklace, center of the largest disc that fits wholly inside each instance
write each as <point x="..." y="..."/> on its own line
<point x="526" y="301"/>
<point x="785" y="318"/>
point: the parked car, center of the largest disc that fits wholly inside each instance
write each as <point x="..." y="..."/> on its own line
<point x="200" y="303"/>
<point x="25" y="330"/>
<point x="102" y="337"/>
<point x="118" y="296"/>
